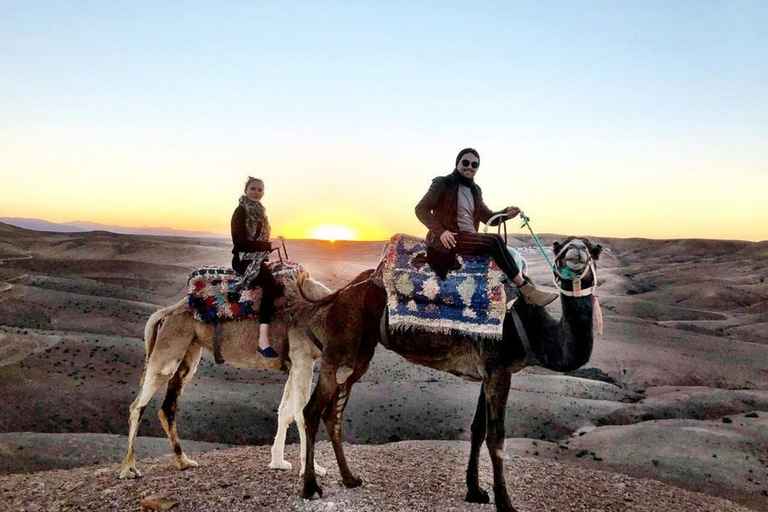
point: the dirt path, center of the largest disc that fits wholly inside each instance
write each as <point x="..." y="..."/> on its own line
<point x="3" y="260"/>
<point x="6" y="286"/>
<point x="15" y="347"/>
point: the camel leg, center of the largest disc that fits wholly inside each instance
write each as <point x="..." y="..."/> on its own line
<point x="152" y="382"/>
<point x="285" y="414"/>
<point x="167" y="412"/>
<point x="332" y="417"/>
<point x="351" y="341"/>
<point x="302" y="387"/>
<point x="295" y="396"/>
<point x="318" y="402"/>
<point x="496" y="394"/>
<point x="475" y="494"/>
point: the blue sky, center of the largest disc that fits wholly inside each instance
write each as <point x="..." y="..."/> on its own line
<point x="604" y="118"/>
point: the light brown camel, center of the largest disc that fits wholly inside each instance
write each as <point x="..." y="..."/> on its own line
<point x="350" y="322"/>
<point x="174" y="342"/>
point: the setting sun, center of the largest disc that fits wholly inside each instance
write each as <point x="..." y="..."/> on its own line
<point x="333" y="233"/>
<point x="331" y="223"/>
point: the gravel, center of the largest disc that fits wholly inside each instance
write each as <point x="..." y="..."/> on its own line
<point x="413" y="476"/>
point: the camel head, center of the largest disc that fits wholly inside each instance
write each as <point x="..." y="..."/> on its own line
<point x="566" y="345"/>
<point x="575" y="266"/>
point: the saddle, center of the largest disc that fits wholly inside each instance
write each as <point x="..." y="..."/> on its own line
<point x="469" y="301"/>
<point x="212" y="297"/>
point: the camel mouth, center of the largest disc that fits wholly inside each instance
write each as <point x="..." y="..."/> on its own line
<point x="576" y="257"/>
<point x="577" y="266"/>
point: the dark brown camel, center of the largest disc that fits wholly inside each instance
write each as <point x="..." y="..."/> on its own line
<point x="350" y="322"/>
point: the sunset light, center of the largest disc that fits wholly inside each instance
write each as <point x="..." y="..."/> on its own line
<point x="332" y="233"/>
<point x="350" y="117"/>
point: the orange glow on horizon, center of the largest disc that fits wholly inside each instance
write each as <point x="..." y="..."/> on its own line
<point x="330" y="223"/>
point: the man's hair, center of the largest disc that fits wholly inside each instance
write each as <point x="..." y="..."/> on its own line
<point x="464" y="152"/>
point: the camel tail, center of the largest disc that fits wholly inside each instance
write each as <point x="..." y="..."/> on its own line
<point x="298" y="285"/>
<point x="153" y="327"/>
<point x="303" y="291"/>
<point x="302" y="283"/>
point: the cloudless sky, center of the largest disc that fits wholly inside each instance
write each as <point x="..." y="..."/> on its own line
<point x="605" y="118"/>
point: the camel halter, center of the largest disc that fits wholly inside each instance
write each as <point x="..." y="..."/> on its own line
<point x="578" y="291"/>
<point x="559" y="276"/>
<point x="575" y="279"/>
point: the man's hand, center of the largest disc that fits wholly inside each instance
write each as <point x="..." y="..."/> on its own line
<point x="448" y="239"/>
<point x="512" y="211"/>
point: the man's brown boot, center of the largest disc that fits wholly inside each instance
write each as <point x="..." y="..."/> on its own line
<point x="536" y="297"/>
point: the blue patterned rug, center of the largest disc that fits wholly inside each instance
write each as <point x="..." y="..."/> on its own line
<point x="469" y="301"/>
<point x="211" y="297"/>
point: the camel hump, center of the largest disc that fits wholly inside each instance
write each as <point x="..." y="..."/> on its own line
<point x="470" y="300"/>
<point x="213" y="295"/>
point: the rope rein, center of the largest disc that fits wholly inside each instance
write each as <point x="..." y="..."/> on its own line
<point x="527" y="224"/>
<point x="566" y="274"/>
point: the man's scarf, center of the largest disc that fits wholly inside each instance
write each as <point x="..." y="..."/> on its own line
<point x="255" y="214"/>
<point x="467" y="182"/>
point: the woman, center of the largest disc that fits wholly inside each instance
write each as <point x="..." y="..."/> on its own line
<point x="452" y="209"/>
<point x="250" y="237"/>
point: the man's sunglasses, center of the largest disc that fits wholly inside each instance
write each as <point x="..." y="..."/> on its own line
<point x="465" y="163"/>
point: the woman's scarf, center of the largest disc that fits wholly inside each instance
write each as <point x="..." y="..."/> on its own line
<point x="255" y="214"/>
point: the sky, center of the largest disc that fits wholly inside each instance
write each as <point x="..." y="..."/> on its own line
<point x="603" y="118"/>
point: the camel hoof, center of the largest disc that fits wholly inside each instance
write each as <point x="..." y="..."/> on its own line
<point x="352" y="481"/>
<point x="185" y="463"/>
<point x="320" y="470"/>
<point x="477" y="496"/>
<point x="505" y="507"/>
<point x="311" y="491"/>
<point x="280" y="464"/>
<point x="128" y="473"/>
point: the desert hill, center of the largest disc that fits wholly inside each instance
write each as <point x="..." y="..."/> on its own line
<point x="79" y="226"/>
<point x="676" y="391"/>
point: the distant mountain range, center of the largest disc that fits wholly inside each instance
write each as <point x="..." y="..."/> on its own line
<point x="79" y="226"/>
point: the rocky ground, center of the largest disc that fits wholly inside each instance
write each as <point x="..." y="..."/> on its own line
<point x="410" y="475"/>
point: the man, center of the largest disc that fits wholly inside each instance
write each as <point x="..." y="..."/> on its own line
<point x="452" y="210"/>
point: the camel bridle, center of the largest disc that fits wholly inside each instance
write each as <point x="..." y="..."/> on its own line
<point x="560" y="277"/>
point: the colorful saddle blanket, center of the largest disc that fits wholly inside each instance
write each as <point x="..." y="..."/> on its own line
<point x="212" y="297"/>
<point x="469" y="301"/>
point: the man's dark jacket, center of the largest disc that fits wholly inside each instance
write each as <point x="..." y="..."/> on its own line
<point x="438" y="210"/>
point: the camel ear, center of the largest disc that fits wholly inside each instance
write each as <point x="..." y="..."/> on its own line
<point x="556" y="246"/>
<point x="596" y="252"/>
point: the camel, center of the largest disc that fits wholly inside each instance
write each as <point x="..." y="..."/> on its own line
<point x="352" y="321"/>
<point x="174" y="341"/>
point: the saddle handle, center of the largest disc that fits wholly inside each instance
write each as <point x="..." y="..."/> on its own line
<point x="279" y="254"/>
<point x="503" y="218"/>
